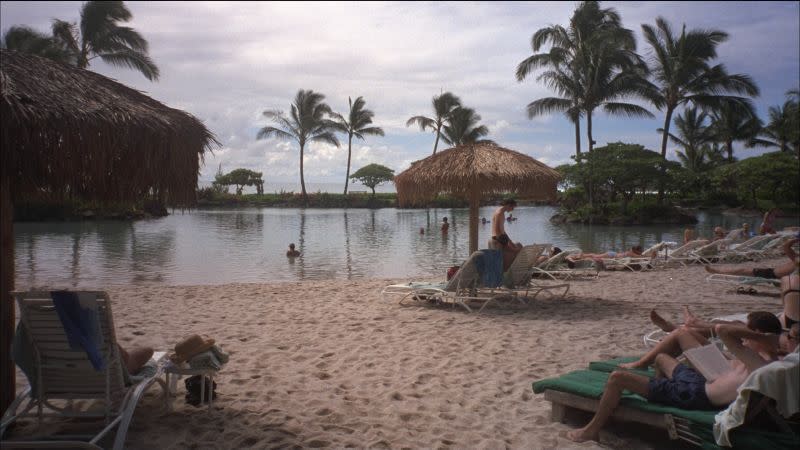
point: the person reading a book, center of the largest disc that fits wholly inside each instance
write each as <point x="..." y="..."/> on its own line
<point x="683" y="387"/>
<point x="696" y="332"/>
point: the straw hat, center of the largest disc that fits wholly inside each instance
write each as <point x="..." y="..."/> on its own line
<point x="189" y="347"/>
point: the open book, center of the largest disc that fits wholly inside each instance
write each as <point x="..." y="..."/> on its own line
<point x="708" y="360"/>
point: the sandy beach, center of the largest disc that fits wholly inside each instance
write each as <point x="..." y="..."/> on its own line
<point x="330" y="364"/>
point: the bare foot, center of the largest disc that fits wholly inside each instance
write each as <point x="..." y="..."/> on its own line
<point x="580" y="435"/>
<point x="631" y="365"/>
<point x="661" y="322"/>
<point x="688" y="317"/>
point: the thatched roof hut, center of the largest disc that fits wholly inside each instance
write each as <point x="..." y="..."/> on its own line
<point x="472" y="171"/>
<point x="68" y="130"/>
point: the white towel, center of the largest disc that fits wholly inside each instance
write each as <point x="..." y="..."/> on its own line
<point x="779" y="380"/>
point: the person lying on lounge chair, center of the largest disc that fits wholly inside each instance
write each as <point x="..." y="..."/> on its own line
<point x="136" y="358"/>
<point x="689" y="321"/>
<point x="769" y="272"/>
<point x="634" y="252"/>
<point x="683" y="387"/>
<point x="696" y="333"/>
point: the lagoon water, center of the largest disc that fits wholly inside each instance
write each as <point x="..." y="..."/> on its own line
<point x="248" y="245"/>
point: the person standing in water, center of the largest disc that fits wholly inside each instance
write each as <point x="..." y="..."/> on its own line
<point x="292" y="253"/>
<point x="445" y="225"/>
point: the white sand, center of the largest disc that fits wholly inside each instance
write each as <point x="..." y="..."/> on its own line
<point x="330" y="364"/>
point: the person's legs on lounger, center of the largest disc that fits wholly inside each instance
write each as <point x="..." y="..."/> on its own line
<point x="675" y="343"/>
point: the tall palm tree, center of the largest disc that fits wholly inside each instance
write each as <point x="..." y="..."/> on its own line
<point x="782" y="129"/>
<point x="463" y="128"/>
<point x="734" y="121"/>
<point x="357" y="124"/>
<point x="693" y="136"/>
<point x="307" y="122"/>
<point x="27" y="40"/>
<point x="681" y="70"/>
<point x="101" y="36"/>
<point x="591" y="63"/>
<point x="443" y="106"/>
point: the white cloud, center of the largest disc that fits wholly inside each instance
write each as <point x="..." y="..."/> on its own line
<point x="227" y="62"/>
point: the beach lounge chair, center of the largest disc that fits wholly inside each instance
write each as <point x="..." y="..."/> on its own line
<point x="556" y="267"/>
<point x="747" y="250"/>
<point x="710" y="253"/>
<point x="464" y="288"/>
<point x="681" y="255"/>
<point x="746" y="284"/>
<point x="58" y="374"/>
<point x="582" y="390"/>
<point x="519" y="277"/>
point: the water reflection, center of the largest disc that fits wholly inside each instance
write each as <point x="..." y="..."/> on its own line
<point x="249" y="245"/>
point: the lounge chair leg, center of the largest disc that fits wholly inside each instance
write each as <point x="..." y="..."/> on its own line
<point x="558" y="412"/>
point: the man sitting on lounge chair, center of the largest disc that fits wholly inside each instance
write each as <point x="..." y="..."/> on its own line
<point x="683" y="387"/>
<point x="769" y="272"/>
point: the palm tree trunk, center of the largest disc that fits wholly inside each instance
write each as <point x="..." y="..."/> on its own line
<point x="302" y="179"/>
<point x="436" y="143"/>
<point x="349" y="147"/>
<point x="664" y="137"/>
<point x="577" y="138"/>
<point x="589" y="130"/>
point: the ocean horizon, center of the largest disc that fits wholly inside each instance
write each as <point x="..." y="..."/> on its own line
<point x="331" y="188"/>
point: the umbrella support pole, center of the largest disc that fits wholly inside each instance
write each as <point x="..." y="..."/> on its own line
<point x="474" y="205"/>
<point x="7" y="373"/>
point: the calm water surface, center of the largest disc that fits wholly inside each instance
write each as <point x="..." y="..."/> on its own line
<point x="248" y="245"/>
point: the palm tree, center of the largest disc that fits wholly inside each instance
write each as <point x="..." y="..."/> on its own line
<point x="101" y="36"/>
<point x="693" y="136"/>
<point x="734" y="121"/>
<point x="682" y="72"/>
<point x="356" y="124"/>
<point x="560" y="77"/>
<point x="781" y="130"/>
<point x="443" y="106"/>
<point x="27" y="40"/>
<point x="307" y="122"/>
<point x="464" y="129"/>
<point x="591" y="64"/>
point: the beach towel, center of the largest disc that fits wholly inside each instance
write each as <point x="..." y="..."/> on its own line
<point x="81" y="325"/>
<point x="489" y="264"/>
<point x="779" y="380"/>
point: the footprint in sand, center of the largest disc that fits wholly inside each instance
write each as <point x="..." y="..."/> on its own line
<point x="324" y="412"/>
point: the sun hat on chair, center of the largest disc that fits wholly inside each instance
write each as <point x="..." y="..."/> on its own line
<point x="189" y="347"/>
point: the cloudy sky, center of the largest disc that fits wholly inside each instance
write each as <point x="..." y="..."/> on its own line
<point x="227" y="62"/>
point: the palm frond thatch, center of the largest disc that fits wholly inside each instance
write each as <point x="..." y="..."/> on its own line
<point x="475" y="169"/>
<point x="71" y="130"/>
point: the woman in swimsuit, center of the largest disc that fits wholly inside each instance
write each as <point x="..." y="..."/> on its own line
<point x="634" y="252"/>
<point x="790" y="295"/>
<point x="765" y="272"/>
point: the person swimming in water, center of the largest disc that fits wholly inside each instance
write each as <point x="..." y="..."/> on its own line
<point x="292" y="253"/>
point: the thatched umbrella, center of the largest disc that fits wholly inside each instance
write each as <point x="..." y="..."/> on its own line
<point x="68" y="131"/>
<point x="471" y="171"/>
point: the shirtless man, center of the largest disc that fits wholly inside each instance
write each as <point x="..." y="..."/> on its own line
<point x="292" y="253"/>
<point x="678" y="385"/>
<point x="500" y="239"/>
<point x="768" y="272"/>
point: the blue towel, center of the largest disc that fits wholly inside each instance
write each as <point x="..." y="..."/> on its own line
<point x="80" y="324"/>
<point x="490" y="265"/>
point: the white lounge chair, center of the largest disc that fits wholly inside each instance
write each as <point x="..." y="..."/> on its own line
<point x="748" y="250"/>
<point x="743" y="281"/>
<point x="63" y="374"/>
<point x="463" y="289"/>
<point x="520" y="275"/>
<point x="681" y="255"/>
<point x="556" y="267"/>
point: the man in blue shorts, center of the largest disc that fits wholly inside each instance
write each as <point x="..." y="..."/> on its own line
<point x="684" y="387"/>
